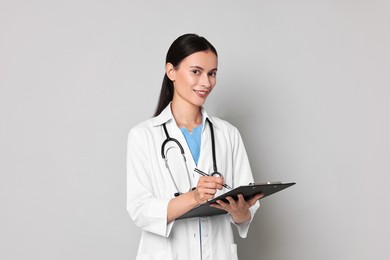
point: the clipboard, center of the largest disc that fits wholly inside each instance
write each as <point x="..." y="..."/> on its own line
<point x="248" y="191"/>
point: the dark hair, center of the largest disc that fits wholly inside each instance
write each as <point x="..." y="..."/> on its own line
<point x="182" y="47"/>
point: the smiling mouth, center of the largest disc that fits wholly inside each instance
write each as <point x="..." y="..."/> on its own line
<point x="201" y="92"/>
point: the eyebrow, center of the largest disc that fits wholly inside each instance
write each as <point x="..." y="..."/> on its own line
<point x="200" y="68"/>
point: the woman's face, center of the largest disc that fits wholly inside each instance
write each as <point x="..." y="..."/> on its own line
<point x="194" y="78"/>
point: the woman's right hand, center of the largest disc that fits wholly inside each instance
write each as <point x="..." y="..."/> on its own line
<point x="206" y="188"/>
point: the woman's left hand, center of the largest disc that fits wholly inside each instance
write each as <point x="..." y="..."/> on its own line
<point x="238" y="209"/>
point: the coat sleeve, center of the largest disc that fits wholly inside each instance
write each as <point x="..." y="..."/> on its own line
<point x="146" y="210"/>
<point x="242" y="175"/>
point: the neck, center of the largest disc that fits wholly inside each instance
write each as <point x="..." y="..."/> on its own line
<point x="186" y="115"/>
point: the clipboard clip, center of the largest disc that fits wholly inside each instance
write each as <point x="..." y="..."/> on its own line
<point x="265" y="183"/>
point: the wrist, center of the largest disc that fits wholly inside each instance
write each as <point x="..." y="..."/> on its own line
<point x="194" y="200"/>
<point x="242" y="219"/>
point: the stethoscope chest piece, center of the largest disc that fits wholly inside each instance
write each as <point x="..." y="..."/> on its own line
<point x="216" y="174"/>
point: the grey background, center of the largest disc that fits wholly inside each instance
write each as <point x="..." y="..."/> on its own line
<point x="306" y="82"/>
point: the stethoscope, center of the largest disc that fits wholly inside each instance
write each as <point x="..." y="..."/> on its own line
<point x="215" y="172"/>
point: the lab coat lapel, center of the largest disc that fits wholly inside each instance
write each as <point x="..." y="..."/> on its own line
<point x="205" y="162"/>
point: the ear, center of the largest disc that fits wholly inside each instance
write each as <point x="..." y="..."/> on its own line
<point x="171" y="72"/>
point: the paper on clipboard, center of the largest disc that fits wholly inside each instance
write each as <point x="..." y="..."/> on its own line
<point x="247" y="191"/>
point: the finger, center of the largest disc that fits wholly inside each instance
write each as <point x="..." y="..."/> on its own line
<point x="241" y="198"/>
<point x="206" y="189"/>
<point x="219" y="180"/>
<point x="204" y="198"/>
<point x="210" y="185"/>
<point x="241" y="202"/>
<point x="208" y="195"/>
<point x="210" y="191"/>
<point x="222" y="205"/>
<point x="255" y="198"/>
<point x="208" y="179"/>
<point x="261" y="195"/>
<point x="216" y="205"/>
<point x="200" y="199"/>
<point x="205" y="193"/>
<point x="219" y="187"/>
<point x="205" y="179"/>
<point x="231" y="201"/>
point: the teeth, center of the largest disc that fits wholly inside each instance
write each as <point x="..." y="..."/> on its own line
<point x="202" y="92"/>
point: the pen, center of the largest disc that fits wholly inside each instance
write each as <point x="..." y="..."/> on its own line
<point x="205" y="174"/>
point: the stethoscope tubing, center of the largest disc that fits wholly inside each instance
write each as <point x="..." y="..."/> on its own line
<point x="163" y="155"/>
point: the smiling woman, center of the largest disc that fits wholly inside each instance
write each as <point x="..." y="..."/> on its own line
<point x="158" y="192"/>
<point x="193" y="80"/>
<point x="182" y="48"/>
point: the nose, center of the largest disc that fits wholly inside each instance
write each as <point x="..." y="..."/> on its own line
<point x="205" y="81"/>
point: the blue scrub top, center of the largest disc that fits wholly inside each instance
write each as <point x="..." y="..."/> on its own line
<point x="194" y="141"/>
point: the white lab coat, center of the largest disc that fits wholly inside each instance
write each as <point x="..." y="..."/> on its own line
<point x="150" y="188"/>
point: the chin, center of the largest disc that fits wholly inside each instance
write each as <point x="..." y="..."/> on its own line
<point x="199" y="103"/>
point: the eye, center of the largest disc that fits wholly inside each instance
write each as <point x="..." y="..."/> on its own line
<point x="213" y="74"/>
<point x="196" y="72"/>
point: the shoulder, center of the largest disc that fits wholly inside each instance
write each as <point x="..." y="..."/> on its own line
<point x="142" y="129"/>
<point x="224" y="126"/>
<point x="226" y="132"/>
<point x="151" y="126"/>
